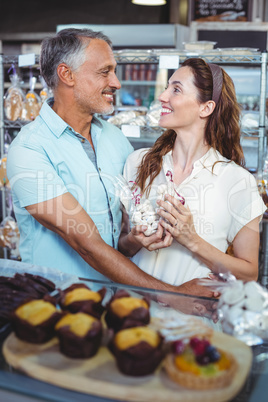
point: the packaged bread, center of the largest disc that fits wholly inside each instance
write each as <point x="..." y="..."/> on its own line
<point x="45" y="92"/>
<point x="31" y="104"/>
<point x="13" y="99"/>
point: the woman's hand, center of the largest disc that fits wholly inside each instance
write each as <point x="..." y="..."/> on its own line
<point x="159" y="239"/>
<point x="178" y="221"/>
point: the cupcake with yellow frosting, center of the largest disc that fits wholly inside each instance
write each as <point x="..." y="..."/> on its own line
<point x="79" y="335"/>
<point x="124" y="311"/>
<point x="137" y="350"/>
<point x="79" y="297"/>
<point x="34" y="320"/>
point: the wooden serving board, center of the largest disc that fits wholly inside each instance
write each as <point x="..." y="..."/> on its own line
<point x="100" y="376"/>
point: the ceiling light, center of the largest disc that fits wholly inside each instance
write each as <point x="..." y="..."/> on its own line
<point x="149" y="2"/>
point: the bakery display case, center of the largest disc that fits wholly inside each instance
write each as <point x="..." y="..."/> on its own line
<point x="42" y="371"/>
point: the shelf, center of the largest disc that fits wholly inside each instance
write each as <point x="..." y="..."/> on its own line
<point x="216" y="57"/>
<point x="254" y="58"/>
<point x="15" y="124"/>
<point x="143" y="83"/>
<point x="14" y="60"/>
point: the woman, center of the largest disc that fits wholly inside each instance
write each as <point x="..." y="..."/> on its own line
<point x="201" y="153"/>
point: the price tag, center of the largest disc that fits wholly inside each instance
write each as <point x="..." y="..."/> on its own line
<point x="169" y="61"/>
<point x="26" y="60"/>
<point x="131" y="130"/>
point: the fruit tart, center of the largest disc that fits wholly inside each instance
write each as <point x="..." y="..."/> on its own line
<point x="199" y="365"/>
<point x="137" y="350"/>
<point x="79" y="297"/>
<point x="124" y="311"/>
<point x="34" y="320"/>
<point x="79" y="335"/>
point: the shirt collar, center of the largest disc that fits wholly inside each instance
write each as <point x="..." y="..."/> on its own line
<point x="56" y="124"/>
<point x="52" y="119"/>
<point x="207" y="161"/>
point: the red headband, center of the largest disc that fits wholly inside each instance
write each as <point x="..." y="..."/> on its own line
<point x="216" y="73"/>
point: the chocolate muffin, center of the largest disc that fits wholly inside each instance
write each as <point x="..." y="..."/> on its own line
<point x="34" y="320"/>
<point x="124" y="311"/>
<point x="79" y="297"/>
<point x="138" y="350"/>
<point x="79" y="335"/>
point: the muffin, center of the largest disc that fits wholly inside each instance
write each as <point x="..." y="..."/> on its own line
<point x="137" y="350"/>
<point x="199" y="365"/>
<point x="34" y="320"/>
<point x="79" y="335"/>
<point x="124" y="311"/>
<point x="79" y="297"/>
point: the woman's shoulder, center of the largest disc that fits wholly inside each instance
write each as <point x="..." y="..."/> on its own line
<point x="238" y="169"/>
<point x="231" y="166"/>
<point x="136" y="156"/>
<point x="132" y="163"/>
<point x="238" y="177"/>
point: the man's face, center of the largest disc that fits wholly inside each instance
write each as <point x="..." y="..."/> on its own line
<point x="95" y="80"/>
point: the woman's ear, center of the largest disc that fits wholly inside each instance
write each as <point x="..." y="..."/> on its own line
<point x="65" y="74"/>
<point x="207" y="108"/>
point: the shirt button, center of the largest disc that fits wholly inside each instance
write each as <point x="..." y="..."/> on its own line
<point x="114" y="230"/>
<point x="110" y="199"/>
<point x="82" y="140"/>
<point x="99" y="169"/>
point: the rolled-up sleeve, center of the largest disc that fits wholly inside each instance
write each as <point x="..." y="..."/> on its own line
<point x="32" y="176"/>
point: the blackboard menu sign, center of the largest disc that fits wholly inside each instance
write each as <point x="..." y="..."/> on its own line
<point x="221" y="10"/>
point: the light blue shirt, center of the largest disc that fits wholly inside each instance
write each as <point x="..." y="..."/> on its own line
<point x="47" y="159"/>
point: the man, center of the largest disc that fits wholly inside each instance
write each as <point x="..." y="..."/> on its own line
<point x="61" y="166"/>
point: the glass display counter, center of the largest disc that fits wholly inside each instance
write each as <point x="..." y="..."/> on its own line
<point x="105" y="383"/>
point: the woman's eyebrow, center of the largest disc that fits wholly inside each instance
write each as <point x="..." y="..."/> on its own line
<point x="176" y="82"/>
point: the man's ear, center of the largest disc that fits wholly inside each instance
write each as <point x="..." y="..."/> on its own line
<point x="65" y="74"/>
<point x="207" y="108"/>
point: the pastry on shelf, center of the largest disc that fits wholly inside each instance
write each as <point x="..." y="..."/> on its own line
<point x="79" y="335"/>
<point x="34" y="320"/>
<point x="125" y="311"/>
<point x="199" y="365"/>
<point x="138" y="351"/>
<point x="79" y="297"/>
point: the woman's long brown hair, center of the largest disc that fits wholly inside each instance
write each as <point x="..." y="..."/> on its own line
<point x="222" y="130"/>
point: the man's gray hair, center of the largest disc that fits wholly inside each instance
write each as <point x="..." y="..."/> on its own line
<point x="67" y="46"/>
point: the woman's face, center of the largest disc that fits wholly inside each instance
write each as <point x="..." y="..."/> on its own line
<point x="180" y="108"/>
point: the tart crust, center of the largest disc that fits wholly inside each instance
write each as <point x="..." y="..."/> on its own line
<point x="189" y="380"/>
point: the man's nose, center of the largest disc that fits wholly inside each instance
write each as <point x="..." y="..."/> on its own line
<point x="115" y="83"/>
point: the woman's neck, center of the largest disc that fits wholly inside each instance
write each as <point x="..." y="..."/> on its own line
<point x="186" y="151"/>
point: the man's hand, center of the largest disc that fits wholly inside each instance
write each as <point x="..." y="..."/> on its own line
<point x="194" y="288"/>
<point x="204" y="306"/>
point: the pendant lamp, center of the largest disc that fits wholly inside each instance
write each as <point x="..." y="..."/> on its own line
<point x="149" y="2"/>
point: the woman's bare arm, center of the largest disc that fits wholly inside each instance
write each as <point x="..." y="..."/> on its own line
<point x="243" y="264"/>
